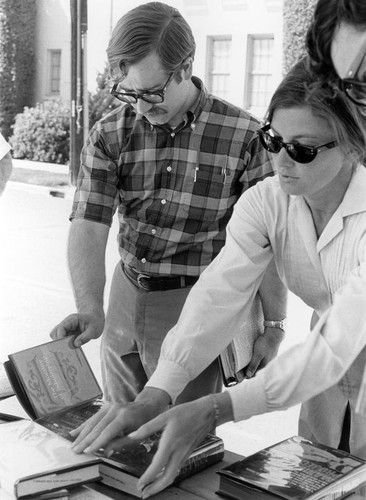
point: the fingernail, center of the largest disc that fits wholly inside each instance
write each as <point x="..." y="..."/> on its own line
<point x="249" y="374"/>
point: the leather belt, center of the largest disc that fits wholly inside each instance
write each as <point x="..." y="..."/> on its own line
<point x="154" y="283"/>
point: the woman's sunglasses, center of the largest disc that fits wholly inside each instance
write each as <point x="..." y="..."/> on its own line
<point x="297" y="152"/>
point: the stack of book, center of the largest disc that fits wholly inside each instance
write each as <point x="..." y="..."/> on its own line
<point x="57" y="388"/>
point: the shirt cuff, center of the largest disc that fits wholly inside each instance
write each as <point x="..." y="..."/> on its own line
<point x="248" y="398"/>
<point x="170" y="377"/>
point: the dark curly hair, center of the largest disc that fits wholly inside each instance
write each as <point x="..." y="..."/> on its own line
<point x="328" y="15"/>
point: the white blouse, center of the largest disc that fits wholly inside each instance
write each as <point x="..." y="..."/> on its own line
<point x="329" y="274"/>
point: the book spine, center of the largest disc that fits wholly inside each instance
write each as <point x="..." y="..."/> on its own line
<point x="200" y="461"/>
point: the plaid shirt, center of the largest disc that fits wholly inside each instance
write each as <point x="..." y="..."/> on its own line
<point x="174" y="189"/>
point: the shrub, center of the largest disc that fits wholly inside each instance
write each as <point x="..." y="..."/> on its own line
<point x="42" y="133"/>
<point x="101" y="102"/>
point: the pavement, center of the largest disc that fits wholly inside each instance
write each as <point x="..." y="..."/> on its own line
<point x="35" y="294"/>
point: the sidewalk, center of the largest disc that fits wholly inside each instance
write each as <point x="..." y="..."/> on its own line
<point x="66" y="192"/>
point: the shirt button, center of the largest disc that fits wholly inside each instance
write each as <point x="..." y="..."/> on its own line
<point x="169" y="169"/>
<point x="172" y="134"/>
<point x="163" y="202"/>
<point x="143" y="260"/>
<point x="153" y="231"/>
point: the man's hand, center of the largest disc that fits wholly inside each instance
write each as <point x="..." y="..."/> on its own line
<point x="84" y="326"/>
<point x="107" y="428"/>
<point x="265" y="348"/>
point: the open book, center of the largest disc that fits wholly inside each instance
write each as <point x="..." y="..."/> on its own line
<point x="239" y="352"/>
<point x="57" y="388"/>
<point x="52" y="379"/>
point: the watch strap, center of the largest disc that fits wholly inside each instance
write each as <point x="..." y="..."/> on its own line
<point x="275" y="324"/>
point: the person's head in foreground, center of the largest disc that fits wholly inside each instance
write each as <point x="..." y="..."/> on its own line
<point x="336" y="42"/>
<point x="150" y="57"/>
<point x="318" y="143"/>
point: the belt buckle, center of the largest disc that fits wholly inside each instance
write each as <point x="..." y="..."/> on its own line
<point x="139" y="282"/>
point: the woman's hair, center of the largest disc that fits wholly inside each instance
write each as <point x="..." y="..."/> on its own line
<point x="328" y="15"/>
<point x="151" y="27"/>
<point x="301" y="88"/>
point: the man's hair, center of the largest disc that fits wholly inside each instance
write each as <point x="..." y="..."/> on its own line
<point x="328" y="15"/>
<point x="151" y="27"/>
<point x="301" y="88"/>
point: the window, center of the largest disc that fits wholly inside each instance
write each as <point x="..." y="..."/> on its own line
<point x="259" y="75"/>
<point x="218" y="77"/>
<point x="54" y="78"/>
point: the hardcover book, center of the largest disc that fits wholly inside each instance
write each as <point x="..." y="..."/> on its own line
<point x="294" y="469"/>
<point x="124" y="468"/>
<point x="34" y="460"/>
<point x="237" y="355"/>
<point x="52" y="378"/>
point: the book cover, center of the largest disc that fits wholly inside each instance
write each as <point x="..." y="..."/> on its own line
<point x="294" y="469"/>
<point x="237" y="355"/>
<point x="51" y="377"/>
<point x="123" y="469"/>
<point x="34" y="460"/>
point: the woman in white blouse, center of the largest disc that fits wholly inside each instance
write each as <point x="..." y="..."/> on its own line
<point x="311" y="218"/>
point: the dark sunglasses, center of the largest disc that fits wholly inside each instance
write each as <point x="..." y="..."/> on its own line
<point x="352" y="85"/>
<point x="297" y="152"/>
<point x="154" y="97"/>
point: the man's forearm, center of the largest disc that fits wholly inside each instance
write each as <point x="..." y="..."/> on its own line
<point x="86" y="257"/>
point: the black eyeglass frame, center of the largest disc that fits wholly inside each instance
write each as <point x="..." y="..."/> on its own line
<point x="350" y="82"/>
<point x="135" y="96"/>
<point x="291" y="147"/>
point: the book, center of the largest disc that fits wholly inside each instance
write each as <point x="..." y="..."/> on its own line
<point x="6" y="389"/>
<point x="57" y="388"/>
<point x="53" y="378"/>
<point x="294" y="469"/>
<point x="124" y="468"/>
<point x="34" y="460"/>
<point x="237" y="355"/>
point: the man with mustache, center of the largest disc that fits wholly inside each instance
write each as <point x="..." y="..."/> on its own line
<point x="172" y="160"/>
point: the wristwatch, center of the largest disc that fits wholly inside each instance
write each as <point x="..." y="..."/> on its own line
<point x="275" y="324"/>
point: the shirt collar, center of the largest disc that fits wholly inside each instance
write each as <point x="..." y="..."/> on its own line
<point x="354" y="201"/>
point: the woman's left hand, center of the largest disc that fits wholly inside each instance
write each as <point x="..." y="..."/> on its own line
<point x="184" y="427"/>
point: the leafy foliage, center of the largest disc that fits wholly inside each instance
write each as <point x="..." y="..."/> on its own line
<point x="42" y="133"/>
<point x="17" y="32"/>
<point x="297" y="15"/>
<point x="101" y="102"/>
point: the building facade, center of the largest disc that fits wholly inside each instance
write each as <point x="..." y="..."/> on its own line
<point x="239" y="46"/>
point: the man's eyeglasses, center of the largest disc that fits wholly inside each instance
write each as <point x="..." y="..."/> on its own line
<point x="153" y="97"/>
<point x="354" y="85"/>
<point x="297" y="152"/>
